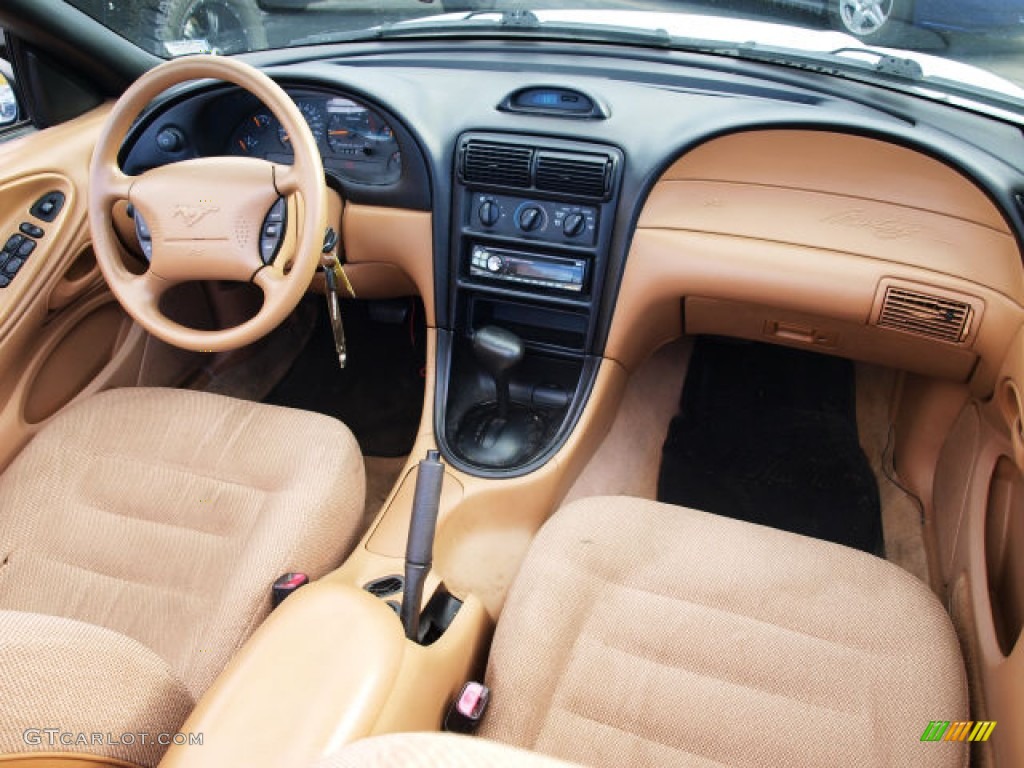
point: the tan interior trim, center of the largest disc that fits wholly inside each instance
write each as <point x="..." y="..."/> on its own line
<point x="821" y="333"/>
<point x="842" y="165"/>
<point x="666" y="265"/>
<point x="62" y="760"/>
<point x="970" y="564"/>
<point x="330" y="666"/>
<point x="737" y="220"/>
<point x="16" y="384"/>
<point x="30" y="166"/>
<point x="391" y="237"/>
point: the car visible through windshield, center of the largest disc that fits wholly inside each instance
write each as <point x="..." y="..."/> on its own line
<point x="985" y="35"/>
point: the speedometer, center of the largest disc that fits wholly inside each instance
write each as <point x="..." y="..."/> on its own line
<point x="316" y="119"/>
<point x="353" y="130"/>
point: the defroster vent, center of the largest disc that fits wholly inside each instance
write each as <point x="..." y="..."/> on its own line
<point x="925" y="315"/>
<point x="485" y="162"/>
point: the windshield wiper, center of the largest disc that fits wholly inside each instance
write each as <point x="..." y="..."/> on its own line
<point x="887" y="63"/>
<point x="517" y="22"/>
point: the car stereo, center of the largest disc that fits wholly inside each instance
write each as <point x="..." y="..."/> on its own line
<point x="562" y="274"/>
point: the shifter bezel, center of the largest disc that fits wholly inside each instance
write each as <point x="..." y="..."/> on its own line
<point x="557" y="323"/>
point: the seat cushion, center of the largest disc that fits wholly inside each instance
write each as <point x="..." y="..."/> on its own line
<point x="435" y="750"/>
<point x="70" y="686"/>
<point x="643" y="634"/>
<point x="166" y="515"/>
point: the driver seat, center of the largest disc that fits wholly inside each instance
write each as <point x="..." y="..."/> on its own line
<point x="140" y="533"/>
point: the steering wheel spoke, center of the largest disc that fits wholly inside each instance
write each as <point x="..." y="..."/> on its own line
<point x="145" y="291"/>
<point x="110" y="185"/>
<point x="287" y="179"/>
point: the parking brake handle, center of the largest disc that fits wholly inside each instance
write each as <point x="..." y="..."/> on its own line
<point x="420" y="547"/>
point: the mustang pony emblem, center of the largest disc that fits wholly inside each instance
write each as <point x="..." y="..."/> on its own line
<point x="191" y="214"/>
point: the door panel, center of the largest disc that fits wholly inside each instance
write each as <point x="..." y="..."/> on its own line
<point x="979" y="502"/>
<point x="62" y="335"/>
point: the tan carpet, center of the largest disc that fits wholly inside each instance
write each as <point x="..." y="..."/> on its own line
<point x="628" y="460"/>
<point x="381" y="475"/>
<point x="901" y="513"/>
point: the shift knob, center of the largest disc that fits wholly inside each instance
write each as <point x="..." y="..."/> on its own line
<point x="498" y="350"/>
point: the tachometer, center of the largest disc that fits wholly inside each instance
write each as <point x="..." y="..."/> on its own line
<point x="316" y="118"/>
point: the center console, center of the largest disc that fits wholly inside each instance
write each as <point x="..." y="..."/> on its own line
<point x="531" y="230"/>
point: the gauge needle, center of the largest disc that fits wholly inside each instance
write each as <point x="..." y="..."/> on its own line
<point x="338" y="133"/>
<point x="257" y="121"/>
<point x="242" y="145"/>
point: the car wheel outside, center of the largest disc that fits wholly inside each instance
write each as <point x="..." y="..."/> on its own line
<point x="876" y="22"/>
<point x="227" y="26"/>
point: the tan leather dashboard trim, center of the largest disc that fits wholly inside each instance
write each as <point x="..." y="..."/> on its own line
<point x="903" y="235"/>
<point x="378" y="239"/>
<point x="838" y="164"/>
<point x="812" y="225"/>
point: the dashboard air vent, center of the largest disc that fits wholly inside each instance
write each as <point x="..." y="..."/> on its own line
<point x="486" y="162"/>
<point x="572" y="173"/>
<point x="925" y="315"/>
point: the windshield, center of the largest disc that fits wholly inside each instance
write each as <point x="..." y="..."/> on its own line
<point x="962" y="47"/>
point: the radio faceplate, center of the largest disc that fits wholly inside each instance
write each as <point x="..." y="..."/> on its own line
<point x="553" y="272"/>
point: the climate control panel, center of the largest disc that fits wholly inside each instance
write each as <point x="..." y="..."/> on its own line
<point x="552" y="222"/>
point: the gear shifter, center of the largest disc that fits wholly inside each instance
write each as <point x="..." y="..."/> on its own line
<point x="499" y="433"/>
<point x="498" y="351"/>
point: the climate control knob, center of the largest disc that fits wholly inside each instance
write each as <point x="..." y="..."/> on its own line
<point x="531" y="218"/>
<point x="489" y="213"/>
<point x="574" y="224"/>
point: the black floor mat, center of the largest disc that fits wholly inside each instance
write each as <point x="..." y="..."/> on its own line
<point x="769" y="435"/>
<point x="379" y="394"/>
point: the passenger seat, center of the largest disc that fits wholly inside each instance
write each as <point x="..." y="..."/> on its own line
<point x="641" y="634"/>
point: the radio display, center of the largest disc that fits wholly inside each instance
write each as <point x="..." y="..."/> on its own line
<point x="545" y="270"/>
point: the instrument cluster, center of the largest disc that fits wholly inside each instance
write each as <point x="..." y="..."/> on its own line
<point x="355" y="141"/>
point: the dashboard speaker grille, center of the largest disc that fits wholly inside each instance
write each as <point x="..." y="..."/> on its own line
<point x="574" y="174"/>
<point x="925" y="315"/>
<point x="486" y="162"/>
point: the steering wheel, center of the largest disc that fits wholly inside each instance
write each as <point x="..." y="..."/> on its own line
<point x="206" y="216"/>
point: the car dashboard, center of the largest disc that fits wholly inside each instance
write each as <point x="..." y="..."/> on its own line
<point x="601" y="205"/>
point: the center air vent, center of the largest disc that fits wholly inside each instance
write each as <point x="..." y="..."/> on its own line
<point x="572" y="173"/>
<point x="486" y="162"/>
<point x="925" y="315"/>
<point x="522" y="166"/>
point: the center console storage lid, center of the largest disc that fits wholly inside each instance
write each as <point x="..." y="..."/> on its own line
<point x="317" y="674"/>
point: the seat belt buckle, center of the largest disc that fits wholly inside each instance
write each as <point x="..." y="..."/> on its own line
<point x="285" y="585"/>
<point x="468" y="709"/>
